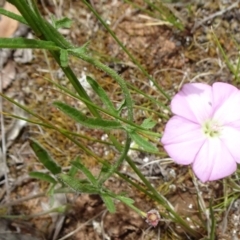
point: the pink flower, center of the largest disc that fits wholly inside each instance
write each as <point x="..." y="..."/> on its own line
<point x="205" y="130"/>
<point x="153" y="217"/>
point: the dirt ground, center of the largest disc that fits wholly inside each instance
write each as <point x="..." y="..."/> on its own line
<point x="173" y="57"/>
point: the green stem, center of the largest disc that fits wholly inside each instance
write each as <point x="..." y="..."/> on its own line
<point x="161" y="199"/>
<point x="47" y="32"/>
<point x="152" y="99"/>
<point x="87" y="102"/>
<point x="111" y="73"/>
<point x="144" y="71"/>
<point x="166" y="13"/>
<point x="118" y="163"/>
<point x="76" y="84"/>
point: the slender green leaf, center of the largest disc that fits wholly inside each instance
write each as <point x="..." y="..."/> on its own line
<point x="72" y="172"/>
<point x="226" y="58"/>
<point x="45" y="158"/>
<point x="27" y="43"/>
<point x="63" y="23"/>
<point x="87" y="173"/>
<point x="102" y="94"/>
<point x="148" y="123"/>
<point x="109" y="203"/>
<point x="80" y="50"/>
<point x="13" y="16"/>
<point x="43" y="176"/>
<point x="77" y="185"/>
<point x="64" y="58"/>
<point x="121" y="106"/>
<point x="143" y="143"/>
<point x="86" y="121"/>
<point x="128" y="201"/>
<point x="130" y="128"/>
<point x="167" y="15"/>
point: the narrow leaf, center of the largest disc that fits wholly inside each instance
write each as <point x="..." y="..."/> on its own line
<point x="80" y="50"/>
<point x="72" y="172"/>
<point x="213" y="223"/>
<point x="148" y="123"/>
<point x="87" y="173"/>
<point x="225" y="56"/>
<point x="86" y="121"/>
<point x="143" y="143"/>
<point x="13" y="16"/>
<point x="63" y="58"/>
<point x="27" y="43"/>
<point x="63" y="23"/>
<point x="45" y="158"/>
<point x="77" y="185"/>
<point x="102" y="94"/>
<point x="128" y="201"/>
<point x="121" y="106"/>
<point x="43" y="176"/>
<point x="109" y="203"/>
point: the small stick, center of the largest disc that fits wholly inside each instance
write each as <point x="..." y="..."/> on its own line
<point x="216" y="14"/>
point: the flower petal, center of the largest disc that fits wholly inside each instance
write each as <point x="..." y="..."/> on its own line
<point x="230" y="136"/>
<point x="213" y="161"/>
<point x="193" y="102"/>
<point x="226" y="103"/>
<point x="182" y="140"/>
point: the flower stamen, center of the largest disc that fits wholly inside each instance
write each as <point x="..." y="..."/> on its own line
<point x="212" y="128"/>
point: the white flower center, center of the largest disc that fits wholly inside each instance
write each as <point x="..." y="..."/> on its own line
<point x="212" y="128"/>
